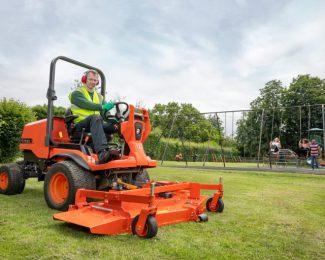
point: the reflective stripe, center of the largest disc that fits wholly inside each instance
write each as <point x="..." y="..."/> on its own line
<point x="81" y="112"/>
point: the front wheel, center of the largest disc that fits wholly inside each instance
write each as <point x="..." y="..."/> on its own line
<point x="62" y="182"/>
<point x="219" y="208"/>
<point x="150" y="229"/>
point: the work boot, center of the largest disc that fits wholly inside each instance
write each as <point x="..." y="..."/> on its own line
<point x="103" y="156"/>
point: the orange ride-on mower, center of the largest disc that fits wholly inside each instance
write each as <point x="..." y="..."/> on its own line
<point x="111" y="198"/>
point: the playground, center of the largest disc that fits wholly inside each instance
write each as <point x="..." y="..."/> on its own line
<point x="245" y="139"/>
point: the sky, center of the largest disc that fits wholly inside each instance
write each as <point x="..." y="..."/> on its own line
<point x="213" y="54"/>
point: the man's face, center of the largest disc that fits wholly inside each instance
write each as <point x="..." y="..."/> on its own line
<point x="91" y="82"/>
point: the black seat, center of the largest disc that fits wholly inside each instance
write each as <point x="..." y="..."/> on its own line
<point x="75" y="136"/>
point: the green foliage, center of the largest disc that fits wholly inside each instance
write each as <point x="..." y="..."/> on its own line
<point x="155" y="148"/>
<point x="40" y="111"/>
<point x="303" y="91"/>
<point x="13" y="116"/>
<point x="279" y="120"/>
<point x="186" y="122"/>
<point x="248" y="130"/>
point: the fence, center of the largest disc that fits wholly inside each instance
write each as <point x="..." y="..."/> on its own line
<point x="242" y="138"/>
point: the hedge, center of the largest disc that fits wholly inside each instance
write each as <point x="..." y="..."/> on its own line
<point x="13" y="116"/>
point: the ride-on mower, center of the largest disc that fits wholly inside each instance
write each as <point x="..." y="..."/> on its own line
<point x="111" y="198"/>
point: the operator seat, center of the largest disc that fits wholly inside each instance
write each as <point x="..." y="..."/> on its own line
<point x="75" y="136"/>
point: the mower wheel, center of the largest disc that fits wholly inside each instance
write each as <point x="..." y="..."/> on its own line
<point x="11" y="179"/>
<point x="219" y="208"/>
<point x="62" y="182"/>
<point x="150" y="230"/>
<point x="203" y="217"/>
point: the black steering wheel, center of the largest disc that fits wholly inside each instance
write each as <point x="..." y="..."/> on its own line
<point x="118" y="116"/>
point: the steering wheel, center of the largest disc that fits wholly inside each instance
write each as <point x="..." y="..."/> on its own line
<point x="119" y="116"/>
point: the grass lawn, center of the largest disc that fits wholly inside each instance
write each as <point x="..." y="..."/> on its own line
<point x="267" y="215"/>
<point x="262" y="164"/>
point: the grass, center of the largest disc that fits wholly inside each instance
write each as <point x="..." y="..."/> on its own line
<point x="267" y="215"/>
<point x="262" y="164"/>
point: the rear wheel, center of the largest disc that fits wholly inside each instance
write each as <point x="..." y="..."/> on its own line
<point x="11" y="179"/>
<point x="62" y="182"/>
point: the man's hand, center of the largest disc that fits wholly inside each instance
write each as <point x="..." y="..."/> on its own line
<point x="108" y="106"/>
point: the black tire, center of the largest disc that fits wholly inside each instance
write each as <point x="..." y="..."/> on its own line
<point x="21" y="187"/>
<point x="75" y="178"/>
<point x="141" y="178"/>
<point x="11" y="178"/>
<point x="220" y="205"/>
<point x="150" y="230"/>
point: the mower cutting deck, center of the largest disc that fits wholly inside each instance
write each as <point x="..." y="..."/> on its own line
<point x="141" y="211"/>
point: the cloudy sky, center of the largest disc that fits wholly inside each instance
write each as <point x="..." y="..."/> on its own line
<point x="211" y="53"/>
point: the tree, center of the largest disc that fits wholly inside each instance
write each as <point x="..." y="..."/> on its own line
<point x="303" y="93"/>
<point x="282" y="110"/>
<point x="248" y="130"/>
<point x="189" y="123"/>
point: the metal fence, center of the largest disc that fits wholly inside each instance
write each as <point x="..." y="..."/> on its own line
<point x="289" y="124"/>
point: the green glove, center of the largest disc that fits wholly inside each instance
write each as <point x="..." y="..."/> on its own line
<point x="108" y="106"/>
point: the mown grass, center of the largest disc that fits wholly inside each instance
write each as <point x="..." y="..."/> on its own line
<point x="262" y="164"/>
<point x="266" y="216"/>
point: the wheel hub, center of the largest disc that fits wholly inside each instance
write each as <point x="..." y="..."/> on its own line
<point x="3" y="180"/>
<point x="59" y="188"/>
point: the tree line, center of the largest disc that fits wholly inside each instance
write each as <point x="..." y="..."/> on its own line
<point x="288" y="112"/>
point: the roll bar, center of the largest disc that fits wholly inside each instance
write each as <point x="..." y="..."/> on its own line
<point x="51" y="96"/>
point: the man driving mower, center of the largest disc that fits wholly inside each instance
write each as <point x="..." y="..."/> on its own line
<point x="88" y="104"/>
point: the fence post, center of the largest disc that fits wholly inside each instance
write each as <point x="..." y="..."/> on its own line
<point x="207" y="151"/>
<point x="259" y="144"/>
<point x="170" y="132"/>
<point x="323" y="131"/>
<point x="220" y="142"/>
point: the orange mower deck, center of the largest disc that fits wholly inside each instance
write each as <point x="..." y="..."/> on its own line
<point x="141" y="211"/>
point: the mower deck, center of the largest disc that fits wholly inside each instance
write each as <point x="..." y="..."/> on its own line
<point x="128" y="211"/>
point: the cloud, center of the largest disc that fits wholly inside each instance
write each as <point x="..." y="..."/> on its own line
<point x="213" y="54"/>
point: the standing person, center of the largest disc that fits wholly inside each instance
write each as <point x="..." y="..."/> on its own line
<point x="275" y="145"/>
<point x="88" y="104"/>
<point x="314" y="153"/>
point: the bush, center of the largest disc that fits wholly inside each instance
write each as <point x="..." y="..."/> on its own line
<point x="13" y="116"/>
<point x="155" y="146"/>
<point x="40" y="111"/>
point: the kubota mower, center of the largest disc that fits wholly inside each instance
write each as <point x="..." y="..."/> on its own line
<point x="111" y="198"/>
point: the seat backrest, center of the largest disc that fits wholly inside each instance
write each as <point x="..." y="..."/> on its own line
<point x="68" y="119"/>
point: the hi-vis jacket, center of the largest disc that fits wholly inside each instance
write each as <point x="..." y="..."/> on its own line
<point x="82" y="112"/>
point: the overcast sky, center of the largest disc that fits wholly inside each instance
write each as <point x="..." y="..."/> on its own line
<point x="215" y="55"/>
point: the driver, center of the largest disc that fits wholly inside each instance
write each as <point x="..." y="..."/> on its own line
<point x="88" y="104"/>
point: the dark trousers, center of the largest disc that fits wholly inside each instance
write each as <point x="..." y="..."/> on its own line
<point x="95" y="125"/>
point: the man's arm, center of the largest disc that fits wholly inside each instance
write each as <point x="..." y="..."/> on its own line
<point x="78" y="99"/>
